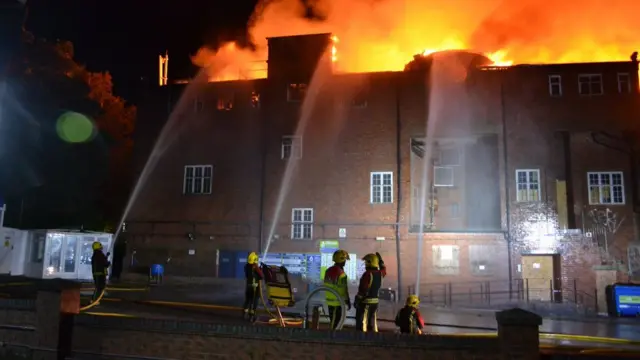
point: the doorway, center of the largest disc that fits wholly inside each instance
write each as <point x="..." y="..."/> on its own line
<point x="542" y="278"/>
<point x="61" y="259"/>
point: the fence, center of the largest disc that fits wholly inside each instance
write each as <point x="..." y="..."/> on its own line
<point x="497" y="293"/>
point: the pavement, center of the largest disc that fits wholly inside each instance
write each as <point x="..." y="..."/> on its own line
<point x="439" y="319"/>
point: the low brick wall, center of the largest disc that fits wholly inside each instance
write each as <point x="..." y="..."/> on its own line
<point x="18" y="321"/>
<point x="52" y="323"/>
<point x="188" y="340"/>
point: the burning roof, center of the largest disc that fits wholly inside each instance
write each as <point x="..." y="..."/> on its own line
<point x="383" y="35"/>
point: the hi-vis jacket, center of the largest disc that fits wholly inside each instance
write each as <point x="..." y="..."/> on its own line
<point x="336" y="279"/>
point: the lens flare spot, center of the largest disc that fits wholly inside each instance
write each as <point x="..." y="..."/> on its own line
<point x="73" y="127"/>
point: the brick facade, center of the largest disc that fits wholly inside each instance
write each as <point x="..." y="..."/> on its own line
<point x="342" y="145"/>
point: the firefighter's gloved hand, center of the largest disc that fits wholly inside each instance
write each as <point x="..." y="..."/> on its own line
<point x="380" y="259"/>
<point x="348" y="303"/>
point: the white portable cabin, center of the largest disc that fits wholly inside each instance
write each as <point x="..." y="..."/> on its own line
<point x="13" y="251"/>
<point x="64" y="254"/>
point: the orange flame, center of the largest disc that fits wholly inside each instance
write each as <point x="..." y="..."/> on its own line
<point x="383" y="35"/>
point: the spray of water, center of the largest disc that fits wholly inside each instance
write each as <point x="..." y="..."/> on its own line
<point x="168" y="134"/>
<point x="427" y="169"/>
<point x="319" y="78"/>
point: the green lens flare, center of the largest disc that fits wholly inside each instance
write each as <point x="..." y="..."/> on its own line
<point x="74" y="127"/>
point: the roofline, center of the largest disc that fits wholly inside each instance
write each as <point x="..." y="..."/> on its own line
<point x="299" y="35"/>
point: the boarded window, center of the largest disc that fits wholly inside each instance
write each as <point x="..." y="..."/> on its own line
<point x="446" y="259"/>
<point x="480" y="259"/>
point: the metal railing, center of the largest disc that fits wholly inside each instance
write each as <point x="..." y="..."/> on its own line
<point x="496" y="293"/>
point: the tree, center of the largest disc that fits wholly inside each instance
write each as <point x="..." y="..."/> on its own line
<point x="68" y="184"/>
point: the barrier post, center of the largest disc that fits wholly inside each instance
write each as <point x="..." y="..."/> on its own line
<point x="519" y="334"/>
<point x="315" y="317"/>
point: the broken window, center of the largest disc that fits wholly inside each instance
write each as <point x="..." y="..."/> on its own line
<point x="480" y="259"/>
<point x="449" y="157"/>
<point x="255" y="99"/>
<point x="590" y="84"/>
<point x="225" y="102"/>
<point x="360" y="99"/>
<point x="296" y="92"/>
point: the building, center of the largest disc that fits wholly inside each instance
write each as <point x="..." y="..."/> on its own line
<point x="516" y="159"/>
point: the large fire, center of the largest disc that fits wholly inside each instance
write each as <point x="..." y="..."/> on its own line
<point x="384" y="35"/>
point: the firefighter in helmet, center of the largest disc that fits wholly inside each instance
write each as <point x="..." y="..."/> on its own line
<point x="366" y="301"/>
<point x="99" y="266"/>
<point x="336" y="279"/>
<point x="409" y="319"/>
<point x="252" y="275"/>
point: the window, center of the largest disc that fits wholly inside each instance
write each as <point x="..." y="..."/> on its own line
<point x="255" y="99"/>
<point x="225" y="102"/>
<point x="197" y="179"/>
<point x="296" y="92"/>
<point x="449" y="157"/>
<point x="198" y="105"/>
<point x="482" y="259"/>
<point x="291" y="147"/>
<point x="606" y="188"/>
<point x="359" y="100"/>
<point x="555" y="85"/>
<point x="528" y="185"/>
<point x="381" y="187"/>
<point x="442" y="176"/>
<point x="302" y="224"/>
<point x="590" y="84"/>
<point x="455" y="210"/>
<point x="624" y="83"/>
<point x="446" y="259"/>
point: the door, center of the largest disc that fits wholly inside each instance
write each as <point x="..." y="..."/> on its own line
<point x="540" y="276"/>
<point x="61" y="257"/>
<point x="69" y="257"/>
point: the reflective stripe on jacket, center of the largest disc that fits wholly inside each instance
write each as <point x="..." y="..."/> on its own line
<point x="336" y="279"/>
<point x="370" y="284"/>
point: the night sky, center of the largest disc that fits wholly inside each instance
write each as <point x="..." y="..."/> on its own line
<point x="126" y="37"/>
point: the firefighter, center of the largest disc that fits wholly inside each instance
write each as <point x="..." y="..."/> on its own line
<point x="366" y="302"/>
<point x="336" y="279"/>
<point x="252" y="275"/>
<point x="99" y="266"/>
<point x="408" y="318"/>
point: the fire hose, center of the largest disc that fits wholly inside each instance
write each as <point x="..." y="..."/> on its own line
<point x="95" y="302"/>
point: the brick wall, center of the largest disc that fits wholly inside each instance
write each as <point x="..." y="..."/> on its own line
<point x="18" y="321"/>
<point x="231" y="342"/>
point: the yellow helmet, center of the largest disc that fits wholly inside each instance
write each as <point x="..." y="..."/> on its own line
<point x="413" y="301"/>
<point x="252" y="258"/>
<point x="371" y="260"/>
<point x="340" y="256"/>
<point x="97" y="245"/>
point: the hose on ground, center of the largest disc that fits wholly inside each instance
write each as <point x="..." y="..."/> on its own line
<point x="96" y="302"/>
